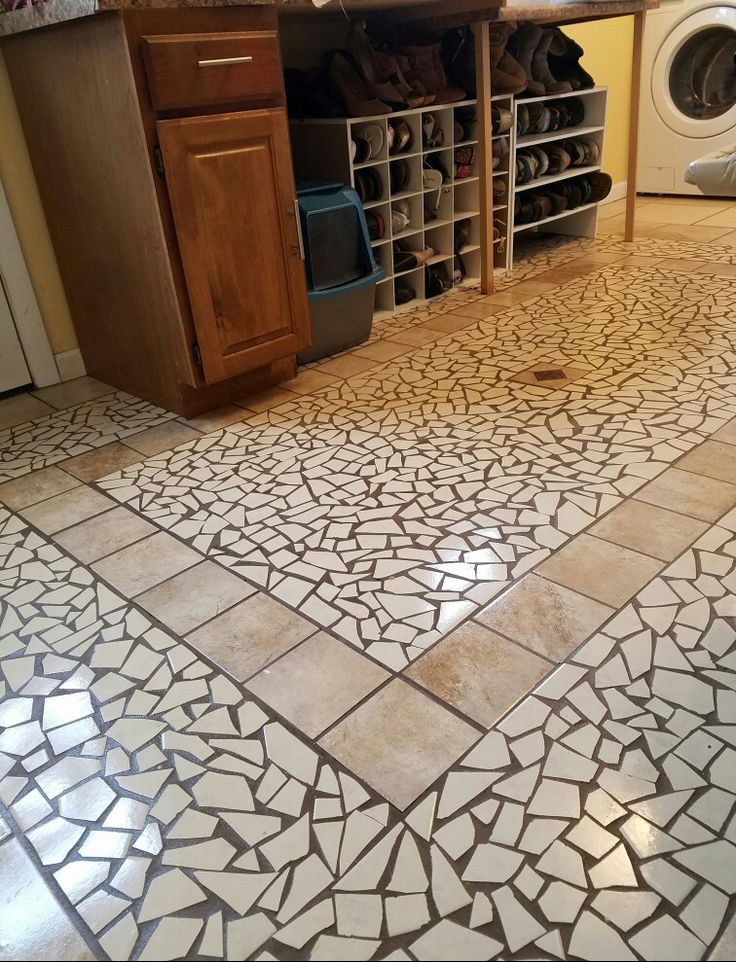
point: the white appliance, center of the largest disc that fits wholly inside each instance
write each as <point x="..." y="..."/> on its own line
<point x="688" y="91"/>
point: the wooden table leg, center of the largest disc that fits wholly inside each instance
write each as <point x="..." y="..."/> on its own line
<point x="634" y="126"/>
<point x="483" y="93"/>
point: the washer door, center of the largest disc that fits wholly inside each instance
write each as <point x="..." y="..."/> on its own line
<point x="694" y="74"/>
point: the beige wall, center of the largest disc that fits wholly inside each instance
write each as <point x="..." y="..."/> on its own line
<point x="30" y="223"/>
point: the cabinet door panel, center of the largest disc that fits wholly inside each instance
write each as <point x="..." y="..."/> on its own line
<point x="232" y="195"/>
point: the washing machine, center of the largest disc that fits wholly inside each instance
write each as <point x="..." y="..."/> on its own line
<point x="688" y="90"/>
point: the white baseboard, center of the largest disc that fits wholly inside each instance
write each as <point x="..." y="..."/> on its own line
<point x="618" y="192"/>
<point x="70" y="364"/>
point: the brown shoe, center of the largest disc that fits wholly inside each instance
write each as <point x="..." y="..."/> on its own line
<point x="364" y="57"/>
<point x="507" y="75"/>
<point x="522" y="46"/>
<point x="358" y="99"/>
<point x="426" y="64"/>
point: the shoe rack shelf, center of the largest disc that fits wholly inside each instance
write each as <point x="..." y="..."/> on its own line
<point x="322" y="149"/>
<point x="579" y="221"/>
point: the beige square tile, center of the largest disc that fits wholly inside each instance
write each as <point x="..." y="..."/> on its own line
<point x="381" y="350"/>
<point x="317" y="682"/>
<point x="478" y="672"/>
<point x="103" y="534"/>
<point x="64" y="510"/>
<point x="69" y="393"/>
<point x="723" y="218"/>
<point x="310" y="379"/>
<point x="511" y="297"/>
<point x="728" y="239"/>
<point x="416" y="336"/>
<point x="346" y="365"/>
<point x="714" y="459"/>
<point x="21" y="408"/>
<point x="694" y="233"/>
<point x="219" y="418"/>
<point x="649" y="529"/>
<point x="32" y="924"/>
<point x="639" y="260"/>
<point x="727" y="433"/>
<point x="535" y="286"/>
<point x="612" y="208"/>
<point x="689" y="494"/>
<point x="35" y="487"/>
<point x="266" y="400"/>
<point x="685" y="264"/>
<point x="399" y="742"/>
<point x="162" y="437"/>
<point x="601" y="570"/>
<point x="719" y="270"/>
<point x="198" y="594"/>
<point x="146" y="563"/>
<point x="549" y="618"/>
<point x="101" y="461"/>
<point x="669" y="213"/>
<point x="249" y="636"/>
<point x="449" y="323"/>
<point x="482" y="309"/>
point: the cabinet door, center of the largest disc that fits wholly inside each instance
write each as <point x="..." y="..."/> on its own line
<point x="232" y="194"/>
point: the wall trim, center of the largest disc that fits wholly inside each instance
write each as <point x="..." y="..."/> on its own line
<point x="23" y="304"/>
<point x="618" y="192"/>
<point x="70" y="364"/>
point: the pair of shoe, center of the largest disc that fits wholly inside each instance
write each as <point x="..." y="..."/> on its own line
<point x="550" y="159"/>
<point x="425" y="61"/>
<point x="502" y="120"/>
<point x="368" y="184"/>
<point x="406" y="259"/>
<point x="400" y="216"/>
<point x="499" y="151"/>
<point x="567" y="195"/>
<point x="535" y="60"/>
<point x="464" y="157"/>
<point x="529" y="45"/>
<point x="400" y="137"/>
<point x="555" y="115"/>
<point x="367" y="142"/>
<point x="436" y="279"/>
<point x="400" y="175"/>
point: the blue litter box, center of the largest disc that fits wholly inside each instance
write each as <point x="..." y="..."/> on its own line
<point x="341" y="271"/>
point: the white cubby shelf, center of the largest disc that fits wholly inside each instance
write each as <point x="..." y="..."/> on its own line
<point x="322" y="149"/>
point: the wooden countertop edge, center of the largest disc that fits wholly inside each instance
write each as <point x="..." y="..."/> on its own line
<point x="435" y="11"/>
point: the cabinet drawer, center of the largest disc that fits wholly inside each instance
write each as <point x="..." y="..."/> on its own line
<point x="199" y="70"/>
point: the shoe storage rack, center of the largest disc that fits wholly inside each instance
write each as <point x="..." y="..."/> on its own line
<point x="322" y="149"/>
<point x="580" y="221"/>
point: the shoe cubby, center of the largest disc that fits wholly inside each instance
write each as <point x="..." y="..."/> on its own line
<point x="578" y="117"/>
<point x="329" y="149"/>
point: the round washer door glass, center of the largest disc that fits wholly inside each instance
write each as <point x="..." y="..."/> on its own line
<point x="703" y="74"/>
<point x="694" y="73"/>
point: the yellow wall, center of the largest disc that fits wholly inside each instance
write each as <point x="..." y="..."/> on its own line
<point x="607" y="45"/>
<point x="30" y="223"/>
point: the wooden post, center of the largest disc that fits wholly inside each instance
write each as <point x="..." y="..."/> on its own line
<point x="483" y="93"/>
<point x="634" y="126"/>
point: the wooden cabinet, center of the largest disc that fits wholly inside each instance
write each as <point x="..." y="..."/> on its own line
<point x="186" y="284"/>
<point x="237" y="229"/>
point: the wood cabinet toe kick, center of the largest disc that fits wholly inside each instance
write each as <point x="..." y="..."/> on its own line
<point x="159" y="140"/>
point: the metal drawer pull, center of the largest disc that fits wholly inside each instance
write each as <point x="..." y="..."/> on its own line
<point x="298" y="217"/>
<point x="223" y="61"/>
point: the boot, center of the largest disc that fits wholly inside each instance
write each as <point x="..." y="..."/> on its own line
<point x="523" y="45"/>
<point x="364" y="59"/>
<point x="540" y="67"/>
<point x="507" y="76"/>
<point x="564" y="56"/>
<point x="426" y="64"/>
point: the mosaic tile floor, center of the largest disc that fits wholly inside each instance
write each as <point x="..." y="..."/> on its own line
<point x="432" y="659"/>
